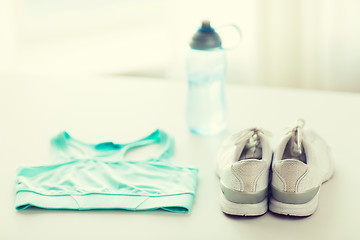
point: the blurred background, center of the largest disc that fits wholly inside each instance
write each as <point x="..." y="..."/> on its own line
<point x="311" y="44"/>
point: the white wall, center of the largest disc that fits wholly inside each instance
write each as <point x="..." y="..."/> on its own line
<point x="7" y="35"/>
<point x="312" y="44"/>
<point x="290" y="43"/>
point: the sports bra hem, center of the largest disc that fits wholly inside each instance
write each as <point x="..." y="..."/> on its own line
<point x="173" y="203"/>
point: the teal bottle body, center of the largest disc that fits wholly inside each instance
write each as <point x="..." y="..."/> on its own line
<point x="206" y="103"/>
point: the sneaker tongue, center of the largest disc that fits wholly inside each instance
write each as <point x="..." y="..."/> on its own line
<point x="252" y="153"/>
<point x="296" y="148"/>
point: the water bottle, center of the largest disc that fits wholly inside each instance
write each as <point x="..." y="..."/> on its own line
<point x="206" y="70"/>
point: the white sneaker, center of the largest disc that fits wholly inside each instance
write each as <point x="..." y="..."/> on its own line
<point x="301" y="163"/>
<point x="243" y="164"/>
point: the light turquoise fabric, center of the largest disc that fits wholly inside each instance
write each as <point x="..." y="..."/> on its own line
<point x="102" y="178"/>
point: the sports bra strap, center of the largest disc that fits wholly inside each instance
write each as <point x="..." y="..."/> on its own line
<point x="66" y="148"/>
<point x="158" y="136"/>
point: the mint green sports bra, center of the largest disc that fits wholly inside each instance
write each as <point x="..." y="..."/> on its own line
<point x="104" y="179"/>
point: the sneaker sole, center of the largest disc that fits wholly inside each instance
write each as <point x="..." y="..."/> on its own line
<point x="241" y="209"/>
<point x="297" y="210"/>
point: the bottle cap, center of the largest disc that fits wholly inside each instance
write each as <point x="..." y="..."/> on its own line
<point x="205" y="37"/>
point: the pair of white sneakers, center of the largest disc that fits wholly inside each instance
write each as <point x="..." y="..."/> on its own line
<point x="252" y="178"/>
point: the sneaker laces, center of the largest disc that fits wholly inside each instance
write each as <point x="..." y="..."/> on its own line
<point x="296" y="147"/>
<point x="251" y="135"/>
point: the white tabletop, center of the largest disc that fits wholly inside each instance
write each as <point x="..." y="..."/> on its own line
<point x="124" y="109"/>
